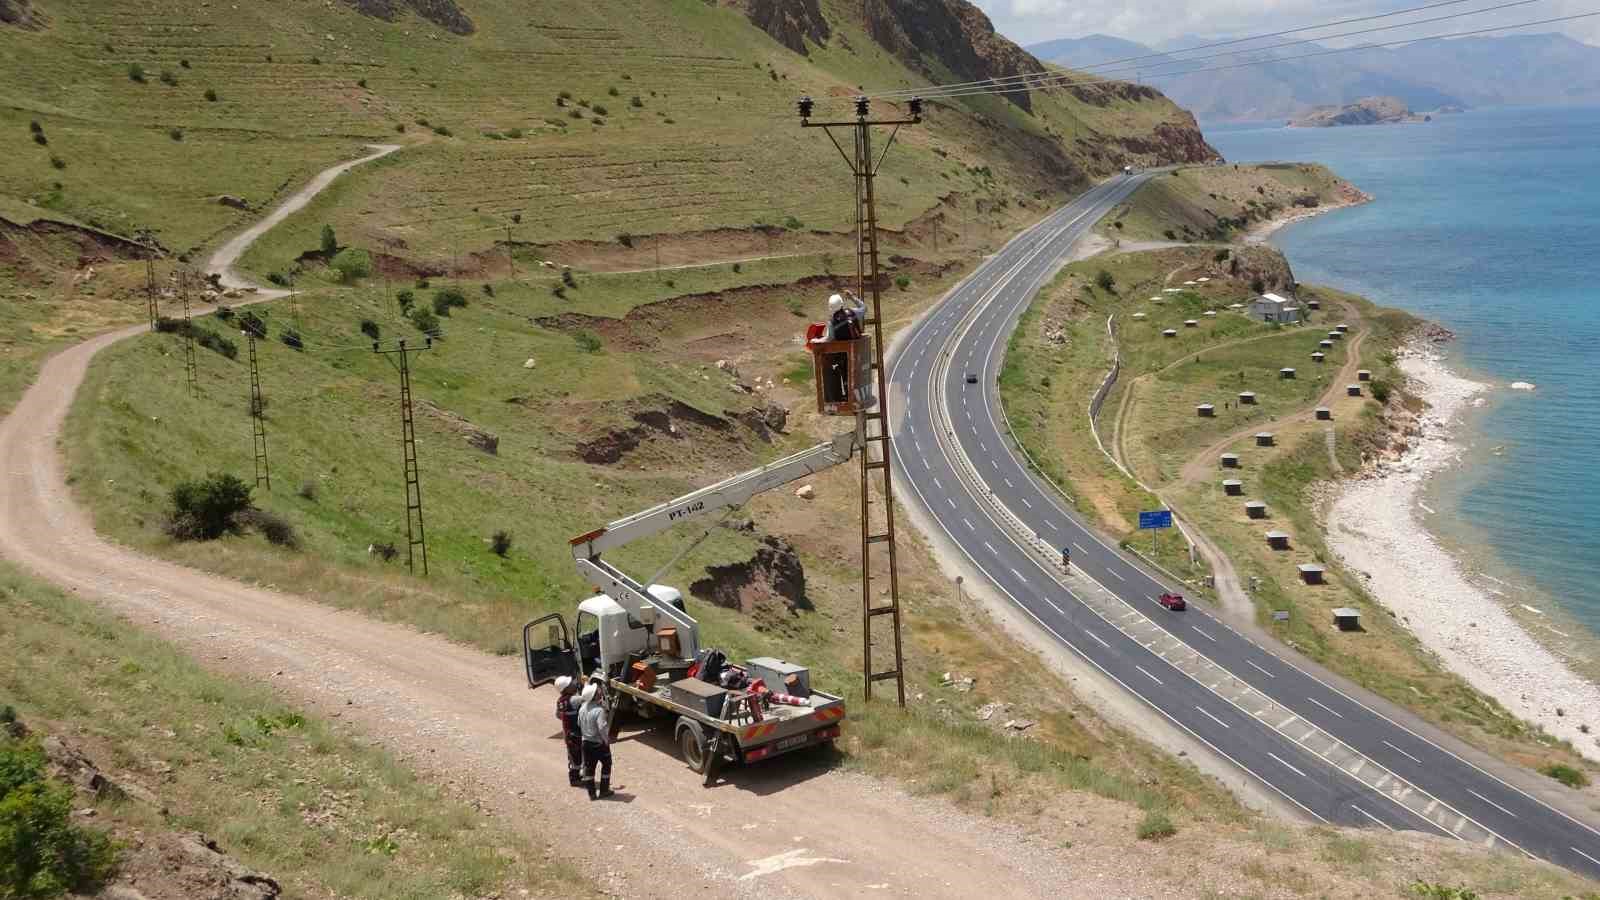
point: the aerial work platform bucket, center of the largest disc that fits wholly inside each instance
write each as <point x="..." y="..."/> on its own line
<point x="842" y="371"/>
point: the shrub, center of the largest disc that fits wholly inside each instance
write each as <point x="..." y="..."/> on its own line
<point x="447" y="299"/>
<point x="330" y="241"/>
<point x="793" y="224"/>
<point x="42" y="853"/>
<point x="588" y="340"/>
<point x="1155" y="826"/>
<point x="362" y="83"/>
<point x="1381" y="390"/>
<point x="516" y="218"/>
<point x="399" y="128"/>
<point x="216" y="343"/>
<point x="1170" y="235"/>
<point x="183" y="63"/>
<point x="564" y="95"/>
<point x="500" y="543"/>
<point x="352" y="264"/>
<point x="175" y="133"/>
<point x="405" y="299"/>
<point x="271" y="526"/>
<point x="40" y="139"/>
<point x="224" y="313"/>
<point x="385" y="551"/>
<point x="488" y="289"/>
<point x="316" y="60"/>
<point x="292" y="339"/>
<point x="251" y="323"/>
<point x="1105" y="280"/>
<point x="738" y="267"/>
<point x="1117" y="224"/>
<point x="575" y="114"/>
<point x="1442" y="891"/>
<point x="422" y="282"/>
<point x="136" y="72"/>
<point x="1567" y="775"/>
<point x="1221" y="255"/>
<point x="625" y="239"/>
<point x="600" y="110"/>
<point x="1257" y="285"/>
<point x="425" y="320"/>
<point x="560" y="291"/>
<point x="371" y="329"/>
<point x="206" y="510"/>
<point x="422" y="122"/>
<point x="514" y="134"/>
<point x="57" y="161"/>
<point x="568" y="279"/>
<point x="635" y="102"/>
<point x="211" y="95"/>
<point x="280" y="279"/>
<point x="902" y="281"/>
<point x="308" y="490"/>
<point x="443" y="131"/>
<point x="169" y="79"/>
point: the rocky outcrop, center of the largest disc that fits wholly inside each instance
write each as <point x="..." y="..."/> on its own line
<point x="955" y="35"/>
<point x="20" y="14"/>
<point x="765" y="421"/>
<point x="774" y="573"/>
<point x="673" y="420"/>
<point x="443" y="13"/>
<point x="1366" y="111"/>
<point x="789" y="22"/>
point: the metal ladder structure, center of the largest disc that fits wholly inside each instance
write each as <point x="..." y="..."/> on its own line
<point x="416" y="535"/>
<point x="258" y="420"/>
<point x="191" y="365"/>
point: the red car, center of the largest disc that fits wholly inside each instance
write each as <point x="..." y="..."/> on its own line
<point x="1172" y="601"/>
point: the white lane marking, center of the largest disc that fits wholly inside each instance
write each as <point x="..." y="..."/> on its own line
<point x="1208" y="715"/>
<point x="1050" y="525"/>
<point x="969" y="523"/>
<point x="1147" y="674"/>
<point x="996" y="465"/>
<point x="1008" y="483"/>
<point x="1078" y="547"/>
<point x="1372" y="817"/>
<point x="1286" y="765"/>
<point x="992" y="550"/>
<point x="1402" y="753"/>
<point x="1326" y="707"/>
<point x="1491" y="803"/>
<point x="938" y="484"/>
<point x="925" y="463"/>
<point x="1020" y="576"/>
<point x="951" y="502"/>
<point x="1203" y="634"/>
<point x="1025" y="502"/>
<point x="1115" y="574"/>
<point x="969" y="415"/>
<point x="1097" y="639"/>
<point x="1585" y="856"/>
<point x="1261" y="670"/>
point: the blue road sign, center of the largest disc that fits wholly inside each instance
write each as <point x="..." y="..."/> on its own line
<point x="1158" y="518"/>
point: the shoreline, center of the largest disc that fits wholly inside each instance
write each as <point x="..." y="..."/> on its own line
<point x="1264" y="230"/>
<point x="1375" y="526"/>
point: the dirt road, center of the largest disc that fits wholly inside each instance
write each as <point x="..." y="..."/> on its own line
<point x="791" y="828"/>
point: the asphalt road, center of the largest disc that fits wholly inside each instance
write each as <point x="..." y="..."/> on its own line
<point x="968" y="332"/>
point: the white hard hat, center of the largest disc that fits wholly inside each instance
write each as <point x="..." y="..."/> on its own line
<point x="589" y="690"/>
<point x="835" y="302"/>
<point x="563" y="683"/>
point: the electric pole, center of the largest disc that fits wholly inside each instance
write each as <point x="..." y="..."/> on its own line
<point x="152" y="306"/>
<point x="415" y="536"/>
<point x="869" y="279"/>
<point x="258" y="414"/>
<point x="191" y="366"/>
<point x="511" y="261"/>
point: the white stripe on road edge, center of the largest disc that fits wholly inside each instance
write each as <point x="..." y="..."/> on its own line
<point x="1491" y="803"/>
<point x="1148" y="675"/>
<point x="1203" y="634"/>
<point x="1210" y="716"/>
<point x="1585" y="856"/>
<point x="1372" y="817"/>
<point x="1261" y="670"/>
<point x="1098" y="639"/>
<point x="1325" y="706"/>
<point x="1402" y="753"/>
<point x="1286" y="765"/>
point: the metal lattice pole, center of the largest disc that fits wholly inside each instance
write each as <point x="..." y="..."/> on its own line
<point x="191" y="365"/>
<point x="416" y="536"/>
<point x="258" y="416"/>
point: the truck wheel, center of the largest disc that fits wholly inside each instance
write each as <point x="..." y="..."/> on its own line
<point x="692" y="744"/>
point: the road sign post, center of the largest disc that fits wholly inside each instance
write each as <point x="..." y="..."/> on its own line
<point x="1155" y="520"/>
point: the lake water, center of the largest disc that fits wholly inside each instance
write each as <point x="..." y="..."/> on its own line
<point x="1489" y="223"/>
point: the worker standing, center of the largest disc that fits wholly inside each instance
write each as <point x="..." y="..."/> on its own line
<point x="596" y="728"/>
<point x="567" y="712"/>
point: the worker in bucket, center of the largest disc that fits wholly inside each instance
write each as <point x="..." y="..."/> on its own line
<point x="596" y="728"/>
<point x="845" y="317"/>
<point x="567" y="712"/>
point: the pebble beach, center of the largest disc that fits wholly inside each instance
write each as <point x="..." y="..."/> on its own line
<point x="1375" y="527"/>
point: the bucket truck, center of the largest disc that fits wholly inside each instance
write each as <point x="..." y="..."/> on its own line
<point x="643" y="643"/>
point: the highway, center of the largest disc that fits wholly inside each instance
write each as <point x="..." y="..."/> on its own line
<point x="1270" y="713"/>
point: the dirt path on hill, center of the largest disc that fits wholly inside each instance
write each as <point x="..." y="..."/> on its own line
<point x="467" y="719"/>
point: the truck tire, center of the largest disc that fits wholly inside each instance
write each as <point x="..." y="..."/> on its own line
<point x="692" y="743"/>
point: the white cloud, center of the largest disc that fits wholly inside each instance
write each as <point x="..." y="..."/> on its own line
<point x="1155" y="21"/>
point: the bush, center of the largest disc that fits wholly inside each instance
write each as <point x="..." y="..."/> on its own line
<point x="292" y="339"/>
<point x="352" y="264"/>
<point x="425" y="320"/>
<point x="57" y="162"/>
<point x="1105" y="280"/>
<point x="447" y="299"/>
<point x="443" y="131"/>
<point x="253" y="324"/>
<point x="316" y="60"/>
<point x="625" y="239"/>
<point x="361" y="83"/>
<point x="35" y="127"/>
<point x="399" y="128"/>
<point x="175" y="133"/>
<point x="1257" y="285"/>
<point x="500" y="543"/>
<point x="385" y="551"/>
<point x="564" y="95"/>
<point x="280" y="279"/>
<point x="1221" y="255"/>
<point x="1442" y="891"/>
<point x="575" y="114"/>
<point x="737" y="268"/>
<point x="273" y="527"/>
<point x="330" y="241"/>
<point x="1381" y="390"/>
<point x="371" y="329"/>
<point x="308" y="491"/>
<point x="488" y="289"/>
<point x="588" y="340"/>
<point x="559" y="291"/>
<point x="1155" y="826"/>
<point x="1170" y="235"/>
<point x="136" y="72"/>
<point x="169" y="79"/>
<point x="635" y="102"/>
<point x="224" y="313"/>
<point x="902" y="281"/>
<point x="40" y="139"/>
<point x="205" y="337"/>
<point x="515" y="134"/>
<point x="206" y="510"/>
<point x="405" y="299"/>
<point x="211" y="95"/>
<point x="183" y="64"/>
<point x="1567" y="775"/>
<point x="793" y="224"/>
<point x="567" y="278"/>
<point x="42" y="854"/>
<point x="600" y="110"/>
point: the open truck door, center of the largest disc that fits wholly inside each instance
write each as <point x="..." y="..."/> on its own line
<point x="547" y="650"/>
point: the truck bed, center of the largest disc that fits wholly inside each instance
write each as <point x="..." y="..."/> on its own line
<point x="779" y="721"/>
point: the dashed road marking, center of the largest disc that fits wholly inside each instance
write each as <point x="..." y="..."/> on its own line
<point x="1402" y="753"/>
<point x="938" y="484"/>
<point x="991" y="548"/>
<point x="1008" y="483"/>
<point x="1098" y="640"/>
<point x="1115" y="574"/>
<point x="1372" y="817"/>
<point x="1286" y="765"/>
<point x="1326" y="707"/>
<point x="1020" y="576"/>
<point x="1261" y="670"/>
<point x="1203" y="634"/>
<point x="1207" y="714"/>
<point x="1491" y="803"/>
<point x="1148" y="675"/>
<point x="1025" y="502"/>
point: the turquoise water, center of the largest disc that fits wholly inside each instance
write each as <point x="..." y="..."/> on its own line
<point x="1487" y="222"/>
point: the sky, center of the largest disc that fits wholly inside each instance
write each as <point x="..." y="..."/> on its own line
<point x="1155" y="21"/>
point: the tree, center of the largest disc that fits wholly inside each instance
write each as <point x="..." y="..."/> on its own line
<point x="206" y="510"/>
<point x="1105" y="280"/>
<point x="352" y="264"/>
<point x="330" y="242"/>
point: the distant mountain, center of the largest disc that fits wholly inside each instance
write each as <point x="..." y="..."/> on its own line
<point x="1366" y="111"/>
<point x="1510" y="70"/>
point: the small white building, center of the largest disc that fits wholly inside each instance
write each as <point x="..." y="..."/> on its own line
<point x="1273" y="308"/>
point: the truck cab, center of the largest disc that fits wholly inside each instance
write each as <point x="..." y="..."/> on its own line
<point x="602" y="639"/>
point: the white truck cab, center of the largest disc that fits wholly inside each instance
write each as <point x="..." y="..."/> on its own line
<point x="607" y="633"/>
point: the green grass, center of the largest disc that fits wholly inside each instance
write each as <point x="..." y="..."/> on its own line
<point x="1567" y="775"/>
<point x="1218" y="202"/>
<point x="245" y="769"/>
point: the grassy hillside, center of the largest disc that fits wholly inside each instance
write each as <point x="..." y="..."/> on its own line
<point x="1221" y="202"/>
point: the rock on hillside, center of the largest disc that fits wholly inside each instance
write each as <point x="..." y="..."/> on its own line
<point x="953" y="33"/>
<point x="443" y="13"/>
<point x="1366" y="111"/>
<point x="19" y="13"/>
<point x="789" y="22"/>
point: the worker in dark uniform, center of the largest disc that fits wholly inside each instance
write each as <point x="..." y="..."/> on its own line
<point x="596" y="728"/>
<point x="567" y="712"/>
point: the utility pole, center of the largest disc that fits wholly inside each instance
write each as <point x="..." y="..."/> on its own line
<point x="152" y="305"/>
<point x="869" y="279"/>
<point x="258" y="414"/>
<point x="191" y="366"/>
<point x="415" y="536"/>
<point x="511" y="261"/>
